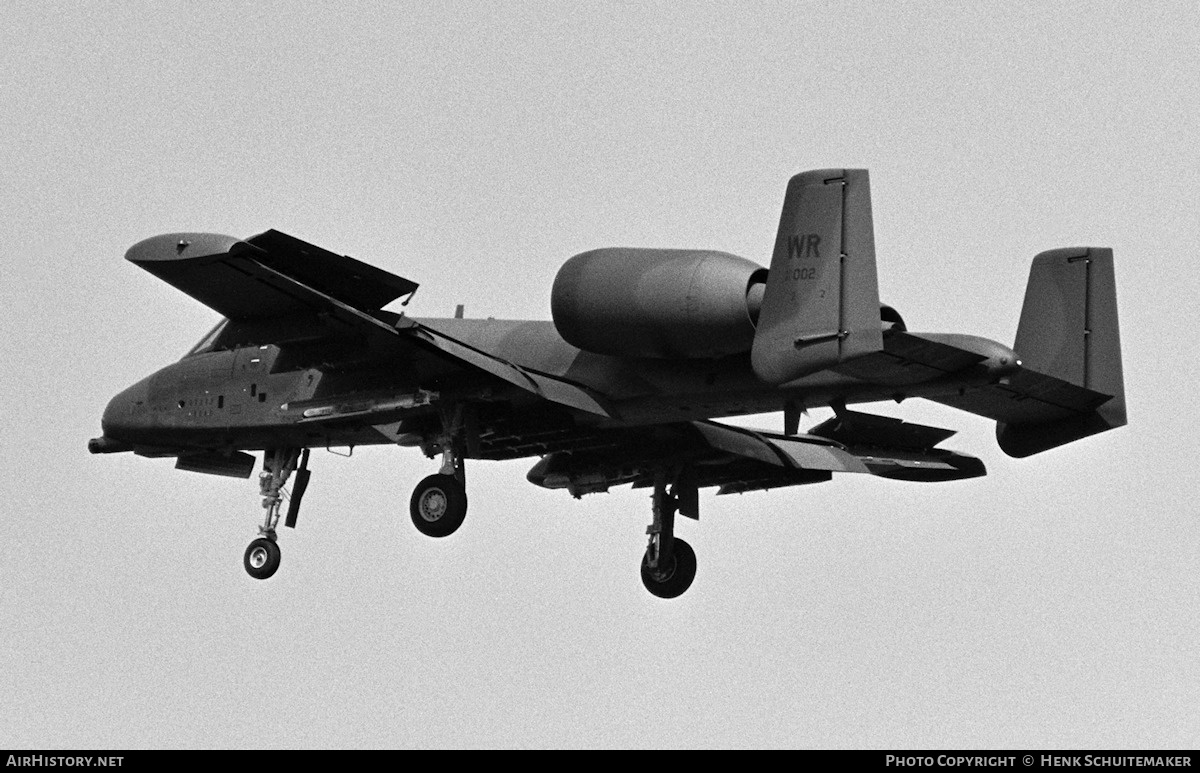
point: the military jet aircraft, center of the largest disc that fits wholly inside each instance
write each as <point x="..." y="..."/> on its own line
<point x="646" y="348"/>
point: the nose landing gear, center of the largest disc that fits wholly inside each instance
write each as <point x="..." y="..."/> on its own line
<point x="262" y="556"/>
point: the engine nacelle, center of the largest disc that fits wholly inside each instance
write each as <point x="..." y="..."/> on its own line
<point x="670" y="304"/>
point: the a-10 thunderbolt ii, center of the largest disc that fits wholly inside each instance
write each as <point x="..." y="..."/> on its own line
<point x="646" y="348"/>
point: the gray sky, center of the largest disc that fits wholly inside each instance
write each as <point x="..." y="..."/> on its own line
<point x="473" y="148"/>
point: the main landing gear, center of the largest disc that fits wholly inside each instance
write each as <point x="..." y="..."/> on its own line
<point x="439" y="503"/>
<point x="669" y="564"/>
<point x="261" y="559"/>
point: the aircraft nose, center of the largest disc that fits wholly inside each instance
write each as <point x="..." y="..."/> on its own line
<point x="127" y="412"/>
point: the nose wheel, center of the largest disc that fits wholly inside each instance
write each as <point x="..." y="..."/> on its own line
<point x="262" y="558"/>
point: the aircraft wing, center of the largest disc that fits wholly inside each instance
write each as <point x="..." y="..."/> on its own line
<point x="851" y="442"/>
<point x="737" y="459"/>
<point x="272" y="286"/>
<point x="552" y="388"/>
<point x="267" y="276"/>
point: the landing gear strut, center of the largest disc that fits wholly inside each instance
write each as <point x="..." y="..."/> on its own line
<point x="439" y="503"/>
<point x="261" y="559"/>
<point x="669" y="565"/>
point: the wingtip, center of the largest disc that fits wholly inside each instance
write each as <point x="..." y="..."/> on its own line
<point x="179" y="246"/>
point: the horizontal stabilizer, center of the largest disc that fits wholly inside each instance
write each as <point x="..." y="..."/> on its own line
<point x="910" y="358"/>
<point x="1025" y="397"/>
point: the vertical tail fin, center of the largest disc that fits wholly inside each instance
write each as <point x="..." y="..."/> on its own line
<point x="1069" y="330"/>
<point x="821" y="304"/>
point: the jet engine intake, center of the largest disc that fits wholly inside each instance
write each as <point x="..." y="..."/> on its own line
<point x="665" y="304"/>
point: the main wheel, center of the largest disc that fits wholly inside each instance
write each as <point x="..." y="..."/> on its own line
<point x="676" y="576"/>
<point x="262" y="558"/>
<point x="438" y="505"/>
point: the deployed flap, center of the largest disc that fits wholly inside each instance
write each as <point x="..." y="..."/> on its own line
<point x="351" y="281"/>
<point x="799" y="451"/>
<point x="852" y="428"/>
<point x="242" y="279"/>
<point x="821" y="305"/>
<point x="883" y="447"/>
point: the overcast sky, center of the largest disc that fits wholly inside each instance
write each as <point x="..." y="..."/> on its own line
<point x="473" y="147"/>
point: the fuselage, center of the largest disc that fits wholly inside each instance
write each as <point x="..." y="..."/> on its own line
<point x="240" y="399"/>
